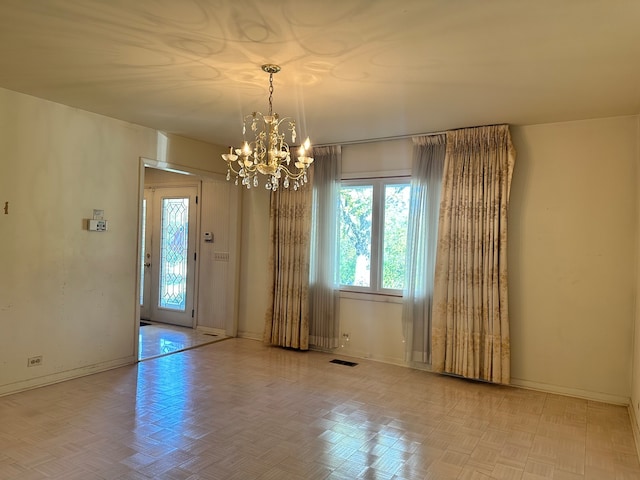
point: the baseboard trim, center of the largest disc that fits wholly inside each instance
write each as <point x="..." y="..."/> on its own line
<point x="211" y="331"/>
<point x="635" y="427"/>
<point x="571" y="392"/>
<point x="45" y="380"/>
<point x="250" y="335"/>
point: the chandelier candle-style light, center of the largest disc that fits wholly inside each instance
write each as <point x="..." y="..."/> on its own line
<point x="268" y="153"/>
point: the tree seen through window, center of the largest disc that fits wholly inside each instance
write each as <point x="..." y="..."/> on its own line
<point x="373" y="231"/>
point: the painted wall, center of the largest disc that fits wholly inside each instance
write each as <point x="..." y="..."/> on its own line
<point x="635" y="381"/>
<point x="66" y="294"/>
<point x="253" y="294"/>
<point x="198" y="157"/>
<point x="573" y="220"/>
<point x="217" y="259"/>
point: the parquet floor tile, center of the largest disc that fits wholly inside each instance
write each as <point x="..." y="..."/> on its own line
<point x="238" y="410"/>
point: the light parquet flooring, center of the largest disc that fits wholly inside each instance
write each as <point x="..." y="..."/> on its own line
<point x="237" y="410"/>
<point x="159" y="339"/>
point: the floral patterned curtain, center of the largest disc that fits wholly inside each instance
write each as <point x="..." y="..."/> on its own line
<point x="287" y="318"/>
<point x="470" y="335"/>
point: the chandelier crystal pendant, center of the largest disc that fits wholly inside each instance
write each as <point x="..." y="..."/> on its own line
<point x="268" y="152"/>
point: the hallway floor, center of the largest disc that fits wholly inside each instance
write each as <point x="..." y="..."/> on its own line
<point x="239" y="410"/>
<point x="159" y="339"/>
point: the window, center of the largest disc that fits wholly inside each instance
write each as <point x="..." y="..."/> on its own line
<point x="373" y="234"/>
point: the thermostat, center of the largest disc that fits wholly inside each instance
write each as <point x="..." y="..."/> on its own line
<point x="97" y="225"/>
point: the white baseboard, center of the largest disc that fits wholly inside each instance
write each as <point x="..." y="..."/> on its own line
<point x="571" y="392"/>
<point x="635" y="427"/>
<point x="212" y="331"/>
<point x="45" y="380"/>
<point x="250" y="335"/>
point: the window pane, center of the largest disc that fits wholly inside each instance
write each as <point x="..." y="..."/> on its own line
<point x="396" y="216"/>
<point x="356" y="205"/>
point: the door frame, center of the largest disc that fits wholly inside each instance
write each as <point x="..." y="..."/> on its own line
<point x="235" y="206"/>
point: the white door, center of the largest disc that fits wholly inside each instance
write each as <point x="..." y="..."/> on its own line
<point x="168" y="255"/>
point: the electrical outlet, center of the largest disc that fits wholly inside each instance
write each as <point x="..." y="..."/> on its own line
<point x="34" y="361"/>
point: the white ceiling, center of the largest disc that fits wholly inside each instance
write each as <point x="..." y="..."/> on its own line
<point x="351" y="69"/>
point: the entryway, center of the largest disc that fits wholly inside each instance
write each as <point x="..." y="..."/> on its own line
<point x="188" y="264"/>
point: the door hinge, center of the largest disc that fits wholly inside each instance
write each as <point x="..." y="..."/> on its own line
<point x="192" y="312"/>
<point x="196" y="199"/>
<point x="195" y="256"/>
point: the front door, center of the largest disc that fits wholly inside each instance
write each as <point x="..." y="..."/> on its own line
<point x="168" y="255"/>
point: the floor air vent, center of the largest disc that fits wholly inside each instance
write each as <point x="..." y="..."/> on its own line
<point x="344" y="362"/>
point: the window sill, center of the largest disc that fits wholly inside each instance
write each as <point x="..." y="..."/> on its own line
<point x="371" y="297"/>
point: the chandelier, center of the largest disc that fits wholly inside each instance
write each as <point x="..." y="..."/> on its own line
<point x="268" y="152"/>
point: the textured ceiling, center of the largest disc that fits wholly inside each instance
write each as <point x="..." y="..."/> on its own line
<point x="351" y="69"/>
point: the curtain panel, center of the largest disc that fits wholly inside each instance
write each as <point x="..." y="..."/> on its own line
<point x="426" y="181"/>
<point x="470" y="335"/>
<point x="287" y="317"/>
<point x="324" y="292"/>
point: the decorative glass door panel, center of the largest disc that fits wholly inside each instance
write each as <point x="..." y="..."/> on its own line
<point x="174" y="247"/>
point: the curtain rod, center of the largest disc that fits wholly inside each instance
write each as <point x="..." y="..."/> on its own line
<point x="400" y="137"/>
<point x="381" y="139"/>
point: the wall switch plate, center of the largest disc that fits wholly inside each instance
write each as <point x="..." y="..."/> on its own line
<point x="220" y="256"/>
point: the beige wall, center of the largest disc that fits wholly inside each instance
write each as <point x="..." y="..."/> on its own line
<point x="635" y="383"/>
<point x="253" y="292"/>
<point x="572" y="251"/>
<point x="66" y="293"/>
<point x="195" y="155"/>
<point x="573" y="218"/>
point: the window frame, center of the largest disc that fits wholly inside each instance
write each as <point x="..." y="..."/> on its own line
<point x="378" y="185"/>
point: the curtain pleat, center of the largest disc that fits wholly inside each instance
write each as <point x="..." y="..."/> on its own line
<point x="287" y="317"/>
<point x="470" y="335"/>
<point x="426" y="180"/>
<point x="323" y="289"/>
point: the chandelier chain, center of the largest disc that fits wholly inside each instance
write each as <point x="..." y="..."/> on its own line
<point x="271" y="94"/>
